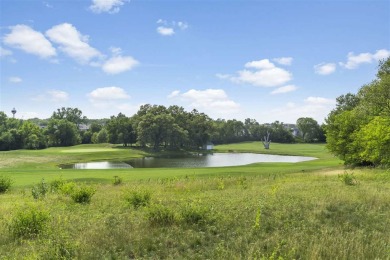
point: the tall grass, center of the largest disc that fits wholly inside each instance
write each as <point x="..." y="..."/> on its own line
<point x="287" y="216"/>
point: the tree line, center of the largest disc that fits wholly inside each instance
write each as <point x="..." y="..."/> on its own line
<point x="154" y="126"/>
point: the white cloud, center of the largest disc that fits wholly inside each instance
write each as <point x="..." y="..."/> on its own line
<point x="182" y="25"/>
<point x="112" y="99"/>
<point x="315" y="107"/>
<point x="325" y="68"/>
<point x="108" y="94"/>
<point x="381" y="54"/>
<point x="355" y="61"/>
<point x="174" y="93"/>
<point x="5" y="52"/>
<point x="263" y="78"/>
<point x="319" y="101"/>
<point x="52" y="95"/>
<point x="109" y="6"/>
<point x="213" y="101"/>
<point x="167" y="28"/>
<point x="260" y="64"/>
<point x="165" y="31"/>
<point x="284" y="60"/>
<point x="15" y="80"/>
<point x="119" y="64"/>
<point x="285" y="89"/>
<point x="72" y="42"/>
<point x="263" y="74"/>
<point x="25" y="38"/>
<point x="223" y="76"/>
<point x="58" y="95"/>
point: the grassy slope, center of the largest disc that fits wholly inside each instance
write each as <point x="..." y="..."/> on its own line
<point x="269" y="210"/>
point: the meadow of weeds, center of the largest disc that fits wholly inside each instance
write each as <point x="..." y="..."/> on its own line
<point x="237" y="213"/>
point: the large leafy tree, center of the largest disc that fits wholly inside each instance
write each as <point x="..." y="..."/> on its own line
<point x="309" y="128"/>
<point x="61" y="132"/>
<point x="358" y="129"/>
<point x="73" y="115"/>
<point x="120" y="130"/>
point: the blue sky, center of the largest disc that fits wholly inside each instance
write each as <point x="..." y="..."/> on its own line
<point x="267" y="60"/>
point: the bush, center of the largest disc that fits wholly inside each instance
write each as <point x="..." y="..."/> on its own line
<point x="67" y="188"/>
<point x="161" y="215"/>
<point x="117" y="180"/>
<point x="5" y="183"/>
<point x="82" y="194"/>
<point x="29" y="222"/>
<point x="57" y="184"/>
<point x="194" y="214"/>
<point x="348" y="179"/>
<point x="39" y="191"/>
<point x="139" y="198"/>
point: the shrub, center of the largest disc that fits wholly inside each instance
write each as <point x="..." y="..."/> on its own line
<point x="29" y="222"/>
<point x="348" y="179"/>
<point x="161" y="215"/>
<point x="39" y="191"/>
<point x="56" y="184"/>
<point x="139" y="198"/>
<point x="67" y="188"/>
<point x="194" y="214"/>
<point x="117" y="180"/>
<point x="82" y="194"/>
<point x="5" y="183"/>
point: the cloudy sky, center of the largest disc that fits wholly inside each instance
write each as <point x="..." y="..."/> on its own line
<point x="267" y="60"/>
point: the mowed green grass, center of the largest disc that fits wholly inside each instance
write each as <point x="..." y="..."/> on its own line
<point x="28" y="167"/>
<point x="258" y="211"/>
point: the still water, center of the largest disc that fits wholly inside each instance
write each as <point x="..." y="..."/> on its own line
<point x="196" y="161"/>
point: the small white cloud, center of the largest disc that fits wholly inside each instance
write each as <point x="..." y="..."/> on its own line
<point x="107" y="94"/>
<point x="182" y="25"/>
<point x="381" y="54"/>
<point x="58" y="95"/>
<point x="354" y="61"/>
<point x="325" y="68"/>
<point x="169" y="28"/>
<point x="15" y="80"/>
<point x="263" y="78"/>
<point x="119" y="64"/>
<point x="108" y="6"/>
<point x="5" y="52"/>
<point x="174" y="93"/>
<point x="319" y="101"/>
<point x="260" y="64"/>
<point x="25" y="38"/>
<point x="285" y="89"/>
<point x="72" y="42"/>
<point x="315" y="107"/>
<point x="223" y="76"/>
<point x="284" y="60"/>
<point x="263" y="73"/>
<point x="165" y="31"/>
<point x="116" y="51"/>
<point x="214" y="101"/>
<point x="110" y="99"/>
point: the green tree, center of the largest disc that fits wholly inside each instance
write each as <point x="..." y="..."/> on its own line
<point x="358" y="133"/>
<point x="61" y="132"/>
<point x="374" y="141"/>
<point x="120" y="130"/>
<point x="309" y="128"/>
<point x="73" y="115"/>
<point x="32" y="136"/>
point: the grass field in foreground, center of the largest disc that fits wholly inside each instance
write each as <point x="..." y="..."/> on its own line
<point x="260" y="211"/>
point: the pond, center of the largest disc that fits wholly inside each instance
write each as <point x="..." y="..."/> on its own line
<point x="196" y="161"/>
